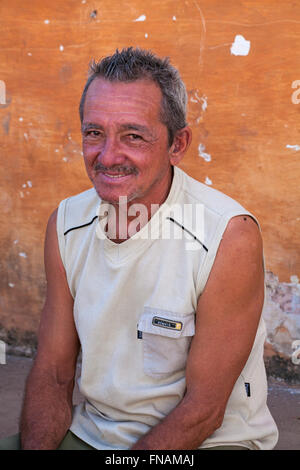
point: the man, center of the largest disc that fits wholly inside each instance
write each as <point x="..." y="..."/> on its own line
<point x="169" y="327"/>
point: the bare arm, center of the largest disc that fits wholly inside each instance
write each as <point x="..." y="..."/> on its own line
<point x="47" y="409"/>
<point x="227" y="318"/>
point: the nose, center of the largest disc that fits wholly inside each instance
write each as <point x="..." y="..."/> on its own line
<point x="110" y="153"/>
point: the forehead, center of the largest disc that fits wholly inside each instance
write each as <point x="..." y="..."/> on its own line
<point x="141" y="98"/>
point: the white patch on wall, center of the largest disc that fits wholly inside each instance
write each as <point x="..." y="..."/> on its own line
<point x="293" y="147"/>
<point x="27" y="184"/>
<point x="204" y="102"/>
<point x="199" y="99"/>
<point x="23" y="255"/>
<point x="198" y="107"/>
<point x="140" y="18"/>
<point x="208" y="181"/>
<point x="240" y="46"/>
<point x="203" y="154"/>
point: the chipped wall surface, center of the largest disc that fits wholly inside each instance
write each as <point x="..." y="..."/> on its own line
<point x="240" y="64"/>
<point x="282" y="318"/>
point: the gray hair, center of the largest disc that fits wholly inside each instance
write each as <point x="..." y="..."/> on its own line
<point x="134" y="64"/>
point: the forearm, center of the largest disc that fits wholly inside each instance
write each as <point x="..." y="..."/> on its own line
<point x="47" y="412"/>
<point x="186" y="427"/>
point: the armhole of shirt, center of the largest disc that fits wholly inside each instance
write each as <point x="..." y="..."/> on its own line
<point x="205" y="268"/>
<point x="60" y="227"/>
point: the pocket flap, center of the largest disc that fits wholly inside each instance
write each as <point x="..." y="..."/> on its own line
<point x="166" y="323"/>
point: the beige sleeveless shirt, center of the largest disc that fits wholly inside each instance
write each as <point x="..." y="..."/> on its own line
<point x="134" y="309"/>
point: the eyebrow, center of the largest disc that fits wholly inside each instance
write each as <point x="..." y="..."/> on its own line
<point x="90" y="125"/>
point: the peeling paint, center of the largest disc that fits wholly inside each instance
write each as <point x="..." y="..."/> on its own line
<point x="240" y="46"/>
<point x="140" y="18"/>
<point x="27" y="184"/>
<point x="198" y="106"/>
<point x="203" y="154"/>
<point x="6" y="123"/>
<point x="93" y="14"/>
<point x="282" y="313"/>
<point x="293" y="147"/>
<point x="2" y="92"/>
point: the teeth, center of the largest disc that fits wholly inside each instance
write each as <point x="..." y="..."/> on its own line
<point x="114" y="176"/>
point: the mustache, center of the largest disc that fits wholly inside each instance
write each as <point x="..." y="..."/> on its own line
<point x="116" y="169"/>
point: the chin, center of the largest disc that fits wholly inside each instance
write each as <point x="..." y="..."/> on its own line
<point x="113" y="198"/>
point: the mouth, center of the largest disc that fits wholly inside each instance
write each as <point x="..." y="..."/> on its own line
<point x="108" y="177"/>
<point x="114" y="174"/>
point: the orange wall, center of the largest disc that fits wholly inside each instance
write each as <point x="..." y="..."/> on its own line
<point x="241" y="113"/>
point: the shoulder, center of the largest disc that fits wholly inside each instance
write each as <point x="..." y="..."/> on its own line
<point x="214" y="201"/>
<point x="242" y="236"/>
<point x="219" y="212"/>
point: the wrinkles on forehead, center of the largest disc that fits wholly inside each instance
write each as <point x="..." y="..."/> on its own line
<point x="115" y="97"/>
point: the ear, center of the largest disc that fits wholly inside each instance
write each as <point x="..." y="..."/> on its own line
<point x="181" y="143"/>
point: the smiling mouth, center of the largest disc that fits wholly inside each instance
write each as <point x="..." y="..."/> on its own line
<point x="117" y="173"/>
<point x="115" y="176"/>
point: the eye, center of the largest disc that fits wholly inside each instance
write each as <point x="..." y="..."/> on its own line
<point x="93" y="133"/>
<point x="135" y="137"/>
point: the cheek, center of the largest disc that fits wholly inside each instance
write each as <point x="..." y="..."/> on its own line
<point x="89" y="154"/>
<point x="89" y="164"/>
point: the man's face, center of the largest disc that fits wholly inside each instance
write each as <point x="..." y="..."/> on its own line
<point x="125" y="145"/>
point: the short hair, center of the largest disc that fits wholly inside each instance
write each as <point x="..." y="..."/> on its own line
<point x="133" y="64"/>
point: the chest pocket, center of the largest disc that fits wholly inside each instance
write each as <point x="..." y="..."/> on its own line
<point x="166" y="338"/>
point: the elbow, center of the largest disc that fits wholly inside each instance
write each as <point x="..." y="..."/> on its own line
<point x="212" y="419"/>
<point x="219" y="419"/>
<point x="205" y="417"/>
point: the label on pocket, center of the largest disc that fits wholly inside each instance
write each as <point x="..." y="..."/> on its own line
<point x="165" y="323"/>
